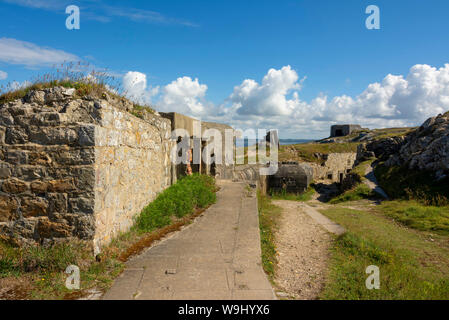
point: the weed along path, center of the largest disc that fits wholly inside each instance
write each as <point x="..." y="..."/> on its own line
<point x="303" y="241"/>
<point x="217" y="257"/>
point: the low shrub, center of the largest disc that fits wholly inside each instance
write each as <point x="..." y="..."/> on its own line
<point x="361" y="191"/>
<point x="406" y="184"/>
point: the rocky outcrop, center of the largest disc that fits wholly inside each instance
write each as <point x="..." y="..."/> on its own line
<point x="381" y="149"/>
<point x="68" y="165"/>
<point x="427" y="148"/>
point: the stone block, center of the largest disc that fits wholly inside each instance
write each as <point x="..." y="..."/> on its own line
<point x="14" y="185"/>
<point x="63" y="185"/>
<point x="15" y="136"/>
<point x="16" y="157"/>
<point x="57" y="202"/>
<point x="5" y="171"/>
<point x="34" y="207"/>
<point x="48" y="229"/>
<point x="53" y="136"/>
<point x="8" y="207"/>
<point x="82" y="205"/>
<point x="86" y="136"/>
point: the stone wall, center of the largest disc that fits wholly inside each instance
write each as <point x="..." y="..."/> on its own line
<point x="72" y="167"/>
<point x="132" y="166"/>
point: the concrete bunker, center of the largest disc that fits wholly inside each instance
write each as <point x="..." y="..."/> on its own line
<point x="344" y="129"/>
<point x="291" y="177"/>
<point x="197" y="144"/>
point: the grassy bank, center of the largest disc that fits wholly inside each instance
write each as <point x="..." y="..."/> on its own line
<point x="417" y="216"/>
<point x="269" y="215"/>
<point x="359" y="192"/>
<point x="403" y="183"/>
<point x="411" y="266"/>
<point x="38" y="272"/>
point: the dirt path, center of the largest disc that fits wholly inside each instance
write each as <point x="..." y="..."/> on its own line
<point x="303" y="252"/>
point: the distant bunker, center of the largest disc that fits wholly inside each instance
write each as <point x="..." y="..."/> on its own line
<point x="291" y="177"/>
<point x="344" y="129"/>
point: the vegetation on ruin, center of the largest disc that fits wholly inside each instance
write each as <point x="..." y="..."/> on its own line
<point x="359" y="190"/>
<point x="269" y="216"/>
<point x="406" y="184"/>
<point x="372" y="135"/>
<point x="314" y="152"/>
<point x="79" y="76"/>
<point x="411" y="266"/>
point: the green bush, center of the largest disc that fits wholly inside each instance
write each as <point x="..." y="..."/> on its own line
<point x="179" y="200"/>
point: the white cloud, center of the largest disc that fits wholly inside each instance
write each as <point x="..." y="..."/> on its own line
<point x="3" y="75"/>
<point x="15" y="85"/>
<point x="26" y="53"/>
<point x="140" y="15"/>
<point x="135" y="86"/>
<point x="39" y="4"/>
<point x="185" y="95"/>
<point x="270" y="97"/>
<point x="395" y="101"/>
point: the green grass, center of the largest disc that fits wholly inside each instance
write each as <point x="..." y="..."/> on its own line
<point x="391" y="132"/>
<point x="44" y="267"/>
<point x="418" y="216"/>
<point x="180" y="199"/>
<point x="361" y="191"/>
<point x="81" y="77"/>
<point x="411" y="267"/>
<point x="305" y="196"/>
<point x="308" y="151"/>
<point x="361" y="168"/>
<point x="403" y="183"/>
<point x="269" y="215"/>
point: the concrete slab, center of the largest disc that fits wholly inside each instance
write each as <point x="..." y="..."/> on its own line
<point x="328" y="224"/>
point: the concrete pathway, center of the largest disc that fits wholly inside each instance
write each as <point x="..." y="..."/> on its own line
<point x="371" y="182"/>
<point x="321" y="219"/>
<point x="217" y="257"/>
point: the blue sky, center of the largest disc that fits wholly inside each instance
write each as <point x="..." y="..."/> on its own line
<point x="317" y="49"/>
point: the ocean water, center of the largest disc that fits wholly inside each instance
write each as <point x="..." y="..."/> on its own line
<point x="241" y="142"/>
